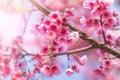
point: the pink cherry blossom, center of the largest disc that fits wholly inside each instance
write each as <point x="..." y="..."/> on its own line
<point x="108" y="2"/>
<point x="69" y="12"/>
<point x="49" y="71"/>
<point x="56" y="69"/>
<point x="76" y="67"/>
<point x="112" y="20"/>
<point x="97" y="7"/>
<point x="82" y="20"/>
<point x="98" y="72"/>
<point x="107" y="64"/>
<point x="74" y="36"/>
<point x="51" y="35"/>
<point x="69" y="71"/>
<point x="36" y="69"/>
<point x="46" y="70"/>
<point x="106" y="15"/>
<point x="17" y="76"/>
<point x="54" y="15"/>
<point x="83" y="59"/>
<point x="89" y="4"/>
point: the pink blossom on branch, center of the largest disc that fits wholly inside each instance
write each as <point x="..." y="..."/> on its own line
<point x="51" y="70"/>
<point x="69" y="71"/>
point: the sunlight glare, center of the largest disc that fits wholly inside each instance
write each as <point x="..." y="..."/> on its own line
<point x="11" y="25"/>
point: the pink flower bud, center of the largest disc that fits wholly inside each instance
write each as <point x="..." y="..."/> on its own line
<point x="83" y="59"/>
<point x="69" y="71"/>
<point x="76" y="67"/>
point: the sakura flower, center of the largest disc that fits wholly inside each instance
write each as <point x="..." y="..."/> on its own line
<point x="51" y="35"/>
<point x="62" y="48"/>
<point x="63" y="31"/>
<point x="106" y="15"/>
<point x="98" y="10"/>
<point x="97" y="7"/>
<point x="53" y="27"/>
<point x="36" y="69"/>
<point x="99" y="72"/>
<point x="89" y="4"/>
<point x="56" y="69"/>
<point x="54" y="15"/>
<point x="44" y="49"/>
<point x="46" y="70"/>
<point x="74" y="35"/>
<point x="96" y="23"/>
<point x="107" y="64"/>
<point x="108" y="2"/>
<point x="82" y="20"/>
<point x="112" y="21"/>
<point x="69" y="71"/>
<point x="17" y="76"/>
<point x="76" y="67"/>
<point x="51" y="70"/>
<point x="69" y="12"/>
<point x="83" y="60"/>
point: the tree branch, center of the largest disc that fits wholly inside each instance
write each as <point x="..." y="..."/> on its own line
<point x="40" y="7"/>
<point x="103" y="32"/>
<point x="82" y="35"/>
<point x="96" y="44"/>
<point x="73" y="51"/>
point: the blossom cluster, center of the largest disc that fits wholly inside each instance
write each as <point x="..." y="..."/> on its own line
<point x="56" y="37"/>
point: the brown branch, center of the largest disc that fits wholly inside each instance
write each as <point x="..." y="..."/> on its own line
<point x="58" y="54"/>
<point x="73" y="51"/>
<point x="40" y="7"/>
<point x="103" y="32"/>
<point x="82" y="35"/>
<point x="96" y="44"/>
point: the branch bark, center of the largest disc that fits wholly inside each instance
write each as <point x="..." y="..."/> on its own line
<point x="58" y="54"/>
<point x="40" y="7"/>
<point x="82" y="35"/>
<point x="74" y="51"/>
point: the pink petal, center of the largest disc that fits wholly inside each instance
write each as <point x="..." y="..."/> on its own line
<point x="69" y="72"/>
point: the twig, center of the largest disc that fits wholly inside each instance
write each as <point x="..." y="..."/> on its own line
<point x="41" y="8"/>
<point x="23" y="49"/>
<point x="74" y="51"/>
<point x="60" y="54"/>
<point x="103" y="32"/>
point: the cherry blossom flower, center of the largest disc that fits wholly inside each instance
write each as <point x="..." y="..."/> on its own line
<point x="74" y="36"/>
<point x="107" y="64"/>
<point x="82" y="20"/>
<point x="56" y="69"/>
<point x="46" y="69"/>
<point x="83" y="60"/>
<point x="49" y="71"/>
<point x="69" y="71"/>
<point x="76" y="67"/>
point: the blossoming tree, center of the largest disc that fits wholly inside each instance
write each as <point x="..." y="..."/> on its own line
<point x="84" y="34"/>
